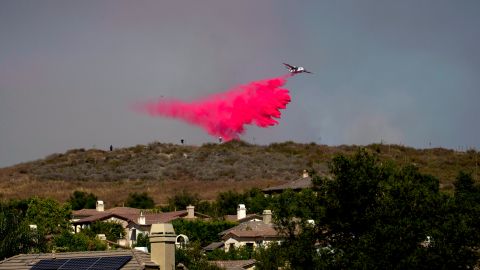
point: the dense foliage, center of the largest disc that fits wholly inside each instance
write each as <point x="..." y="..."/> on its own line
<point x="16" y="236"/>
<point x="50" y="216"/>
<point x="143" y="241"/>
<point x="112" y="230"/>
<point x="193" y="258"/>
<point x="40" y="225"/>
<point x="375" y="215"/>
<point x="181" y="200"/>
<point x="201" y="231"/>
<point x="82" y="200"/>
<point x="140" y="200"/>
<point x="67" y="241"/>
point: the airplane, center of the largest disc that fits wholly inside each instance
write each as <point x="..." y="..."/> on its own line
<point x="295" y="69"/>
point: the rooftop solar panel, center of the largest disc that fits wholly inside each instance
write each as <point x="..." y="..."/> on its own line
<point x="87" y="263"/>
<point x="49" y="264"/>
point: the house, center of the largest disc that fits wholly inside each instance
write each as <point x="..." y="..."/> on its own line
<point x="162" y="256"/>
<point x="134" y="221"/>
<point x="296" y="185"/>
<point x="251" y="233"/>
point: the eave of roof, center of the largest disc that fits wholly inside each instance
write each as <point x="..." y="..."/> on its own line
<point x="301" y="183"/>
<point x="26" y="261"/>
<point x="234" y="264"/>
<point x="251" y="229"/>
<point x="214" y="245"/>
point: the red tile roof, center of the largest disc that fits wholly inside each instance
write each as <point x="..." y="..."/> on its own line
<point x="251" y="229"/>
<point x="233" y="218"/>
<point x="235" y="264"/>
<point x="302" y="183"/>
<point x="129" y="216"/>
<point x="115" y="210"/>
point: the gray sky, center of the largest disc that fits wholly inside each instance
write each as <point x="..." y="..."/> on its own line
<point x="404" y="72"/>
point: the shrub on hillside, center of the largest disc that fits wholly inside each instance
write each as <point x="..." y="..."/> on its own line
<point x="140" y="200"/>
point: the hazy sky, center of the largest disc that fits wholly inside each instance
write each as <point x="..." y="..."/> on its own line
<point x="405" y="72"/>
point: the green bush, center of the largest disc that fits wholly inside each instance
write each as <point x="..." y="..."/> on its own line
<point x="82" y="200"/>
<point x="140" y="200"/>
<point x="201" y="231"/>
<point x="112" y="230"/>
<point x="68" y="242"/>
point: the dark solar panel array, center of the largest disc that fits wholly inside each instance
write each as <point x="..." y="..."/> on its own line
<point x="87" y="263"/>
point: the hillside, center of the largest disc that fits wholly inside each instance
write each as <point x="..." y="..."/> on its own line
<point x="162" y="169"/>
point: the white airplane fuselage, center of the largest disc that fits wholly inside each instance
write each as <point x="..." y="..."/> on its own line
<point x="295" y="69"/>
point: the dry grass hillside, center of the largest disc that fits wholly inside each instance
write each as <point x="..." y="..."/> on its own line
<point x="163" y="169"/>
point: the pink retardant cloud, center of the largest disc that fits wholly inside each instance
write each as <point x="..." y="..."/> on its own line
<point x="226" y="114"/>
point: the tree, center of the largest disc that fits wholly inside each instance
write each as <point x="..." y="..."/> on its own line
<point x="256" y="200"/>
<point x="82" y="200"/>
<point x="300" y="238"/>
<point x="193" y="258"/>
<point x="112" y="230"/>
<point x="227" y="202"/>
<point x="375" y="215"/>
<point x="181" y="200"/>
<point x="270" y="257"/>
<point x="143" y="241"/>
<point x="140" y="200"/>
<point x="15" y="234"/>
<point x="50" y="216"/>
<point x="201" y="231"/>
<point x="67" y="241"/>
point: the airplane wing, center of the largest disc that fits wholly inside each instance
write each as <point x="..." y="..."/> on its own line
<point x="289" y="66"/>
<point x="306" y="71"/>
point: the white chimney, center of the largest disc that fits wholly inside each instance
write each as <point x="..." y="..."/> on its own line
<point x="100" y="206"/>
<point x="141" y="219"/>
<point x="162" y="240"/>
<point x="241" y="211"/>
<point x="190" y="211"/>
<point x="267" y="216"/>
<point x="305" y="174"/>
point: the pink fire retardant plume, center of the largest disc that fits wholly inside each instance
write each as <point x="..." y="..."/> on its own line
<point x="226" y="114"/>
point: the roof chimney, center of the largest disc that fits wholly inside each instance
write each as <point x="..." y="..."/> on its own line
<point x="190" y="211"/>
<point x="305" y="174"/>
<point x="162" y="240"/>
<point x="141" y="219"/>
<point x="241" y="211"/>
<point x="267" y="216"/>
<point x="100" y="206"/>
